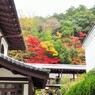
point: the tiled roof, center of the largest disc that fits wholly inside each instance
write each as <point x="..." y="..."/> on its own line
<point x="9" y="24"/>
<point x="22" y="64"/>
<point x="64" y="68"/>
<point x="61" y="66"/>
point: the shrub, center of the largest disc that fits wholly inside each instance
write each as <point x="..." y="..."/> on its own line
<point x="86" y="87"/>
<point x="64" y="80"/>
<point x="90" y="73"/>
<point x="64" y="84"/>
<point x="64" y="88"/>
<point x="67" y="85"/>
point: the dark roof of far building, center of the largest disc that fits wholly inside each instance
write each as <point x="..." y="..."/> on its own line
<point x="10" y="26"/>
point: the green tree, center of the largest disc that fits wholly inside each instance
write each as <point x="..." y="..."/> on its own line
<point x="59" y="16"/>
<point x="45" y="35"/>
<point x="67" y="28"/>
<point x="70" y="12"/>
<point x="63" y="52"/>
<point x="93" y="9"/>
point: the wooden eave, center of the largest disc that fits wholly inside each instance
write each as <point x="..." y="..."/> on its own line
<point x="16" y="67"/>
<point x="63" y="68"/>
<point x="68" y="71"/>
<point x="9" y="25"/>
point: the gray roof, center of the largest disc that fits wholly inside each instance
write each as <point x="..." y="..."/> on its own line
<point x="20" y="63"/>
<point x="60" y="66"/>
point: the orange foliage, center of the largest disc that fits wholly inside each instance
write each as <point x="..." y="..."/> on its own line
<point x="74" y="41"/>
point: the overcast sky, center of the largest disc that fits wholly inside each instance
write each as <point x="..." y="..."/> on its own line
<point x="48" y="7"/>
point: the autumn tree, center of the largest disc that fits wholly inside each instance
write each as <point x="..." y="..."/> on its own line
<point x="26" y="23"/>
<point x="65" y="31"/>
<point x="75" y="48"/>
<point x="39" y="52"/>
<point x="53" y="23"/>
<point x="63" y="52"/>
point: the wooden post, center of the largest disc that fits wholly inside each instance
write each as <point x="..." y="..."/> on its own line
<point x="73" y="76"/>
<point x="61" y="73"/>
<point x="0" y="43"/>
<point x="31" y="90"/>
<point x="77" y="74"/>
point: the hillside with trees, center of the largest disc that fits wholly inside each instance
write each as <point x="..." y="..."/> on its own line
<point x="56" y="39"/>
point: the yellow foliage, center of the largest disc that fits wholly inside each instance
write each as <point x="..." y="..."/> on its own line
<point x="49" y="47"/>
<point x="59" y="35"/>
<point x="26" y="23"/>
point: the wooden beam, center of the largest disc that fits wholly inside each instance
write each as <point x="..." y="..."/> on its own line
<point x="14" y="72"/>
<point x="1" y="66"/>
<point x="31" y="89"/>
<point x="13" y="79"/>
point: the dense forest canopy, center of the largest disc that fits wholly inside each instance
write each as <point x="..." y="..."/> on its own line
<point x="56" y="39"/>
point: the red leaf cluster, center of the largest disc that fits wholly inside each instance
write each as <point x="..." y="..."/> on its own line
<point x="38" y="54"/>
<point x="81" y="34"/>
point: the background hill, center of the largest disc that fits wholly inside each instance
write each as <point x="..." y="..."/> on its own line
<point x="56" y="39"/>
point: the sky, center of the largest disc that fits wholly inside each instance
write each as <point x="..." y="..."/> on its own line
<point x="46" y="8"/>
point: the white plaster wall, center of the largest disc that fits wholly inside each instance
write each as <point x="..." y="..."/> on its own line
<point x="90" y="54"/>
<point x="7" y="73"/>
<point x="4" y="43"/>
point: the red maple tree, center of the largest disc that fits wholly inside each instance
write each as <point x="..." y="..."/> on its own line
<point x="38" y="54"/>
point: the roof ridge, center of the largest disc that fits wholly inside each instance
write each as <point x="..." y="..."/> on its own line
<point x="23" y="64"/>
